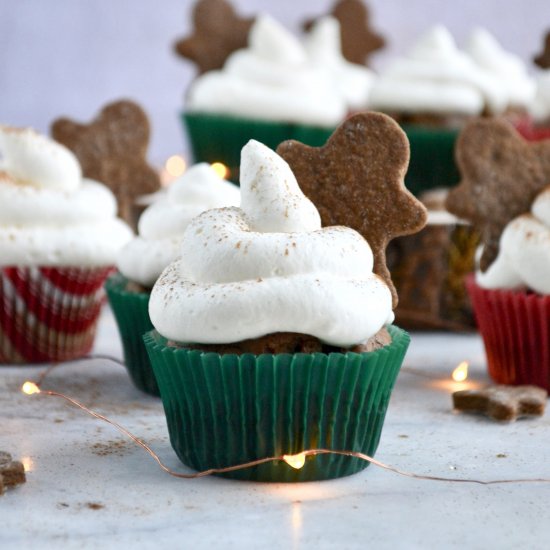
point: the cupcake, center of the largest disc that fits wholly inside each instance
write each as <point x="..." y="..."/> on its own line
<point x="158" y="243"/>
<point x="429" y="269"/>
<point x="505" y="193"/>
<point x="434" y="90"/>
<point x="59" y="239"/>
<point x="274" y="335"/>
<point x="272" y="90"/>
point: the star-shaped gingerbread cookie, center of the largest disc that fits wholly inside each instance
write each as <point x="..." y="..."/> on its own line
<point x="112" y="149"/>
<point x="543" y="59"/>
<point x="359" y="41"/>
<point x="504" y="403"/>
<point x="356" y="180"/>
<point x="501" y="175"/>
<point x="218" y="32"/>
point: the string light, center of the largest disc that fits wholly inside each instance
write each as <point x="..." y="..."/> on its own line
<point x="221" y="169"/>
<point x="294" y="460"/>
<point x="175" y="166"/>
<point x="461" y="372"/>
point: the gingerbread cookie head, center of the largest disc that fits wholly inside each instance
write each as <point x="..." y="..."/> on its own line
<point x="359" y="41"/>
<point x="356" y="180"/>
<point x="543" y="58"/>
<point x="218" y="32"/>
<point x="501" y="174"/>
<point x="112" y="149"/>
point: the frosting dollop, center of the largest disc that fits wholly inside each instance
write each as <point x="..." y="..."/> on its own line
<point x="436" y="77"/>
<point x="272" y="79"/>
<point x="324" y="47"/>
<point x="269" y="267"/>
<point x="524" y="253"/>
<point x="49" y="214"/>
<point x="161" y="226"/>
<point x="507" y="68"/>
<point x="540" y="107"/>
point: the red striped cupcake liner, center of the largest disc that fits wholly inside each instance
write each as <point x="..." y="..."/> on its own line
<point x="515" y="327"/>
<point x="49" y="313"/>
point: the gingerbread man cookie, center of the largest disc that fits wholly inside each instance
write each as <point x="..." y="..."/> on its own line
<point x="12" y="473"/>
<point x="359" y="41"/>
<point x="218" y="32"/>
<point x="366" y="192"/>
<point x="112" y="149"/>
<point x="501" y="176"/>
<point x="504" y="403"/>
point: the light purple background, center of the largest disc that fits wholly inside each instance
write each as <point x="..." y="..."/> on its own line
<point x="69" y="57"/>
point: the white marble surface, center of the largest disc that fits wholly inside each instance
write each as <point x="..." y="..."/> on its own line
<point x="90" y="487"/>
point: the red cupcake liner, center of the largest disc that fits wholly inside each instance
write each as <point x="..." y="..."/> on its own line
<point x="48" y="313"/>
<point x="530" y="131"/>
<point x="515" y="327"/>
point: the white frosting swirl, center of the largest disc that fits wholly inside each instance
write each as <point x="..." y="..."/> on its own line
<point x="49" y="215"/>
<point x="540" y="107"/>
<point x="270" y="80"/>
<point x="269" y="267"/>
<point x="436" y="77"/>
<point x="507" y="68"/>
<point x="524" y="255"/>
<point x="353" y="82"/>
<point x="162" y="224"/>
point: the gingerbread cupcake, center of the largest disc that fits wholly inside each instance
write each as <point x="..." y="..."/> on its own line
<point x="505" y="193"/>
<point x="59" y="240"/>
<point x="158" y="243"/>
<point x="435" y="88"/>
<point x="262" y="332"/>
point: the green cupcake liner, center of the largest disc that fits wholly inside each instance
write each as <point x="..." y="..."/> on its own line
<point x="131" y="311"/>
<point x="220" y="138"/>
<point x="227" y="410"/>
<point x="432" y="161"/>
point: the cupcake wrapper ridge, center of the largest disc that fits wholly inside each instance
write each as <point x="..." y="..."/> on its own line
<point x="515" y="327"/>
<point x="230" y="409"/>
<point x="131" y="311"/>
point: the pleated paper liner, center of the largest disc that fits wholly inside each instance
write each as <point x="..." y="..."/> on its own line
<point x="515" y="327"/>
<point x="432" y="162"/>
<point x="131" y="311"/>
<point x="230" y="409"/>
<point x="220" y="138"/>
<point x="48" y="313"/>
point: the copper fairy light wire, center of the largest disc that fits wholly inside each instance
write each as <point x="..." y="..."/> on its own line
<point x="295" y="460"/>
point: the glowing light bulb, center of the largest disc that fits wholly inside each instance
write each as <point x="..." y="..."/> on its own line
<point x="296" y="461"/>
<point x="29" y="388"/>
<point x="461" y="372"/>
<point x="175" y="166"/>
<point x="221" y="169"/>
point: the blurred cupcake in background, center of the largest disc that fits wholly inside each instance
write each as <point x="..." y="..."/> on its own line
<point x="436" y="88"/>
<point x="273" y="87"/>
<point x="269" y="91"/>
<point x="429" y="270"/>
<point x="141" y="261"/>
<point x="59" y="240"/>
<point x="505" y="193"/>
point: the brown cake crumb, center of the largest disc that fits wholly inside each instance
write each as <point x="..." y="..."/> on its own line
<point x="12" y="473"/>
